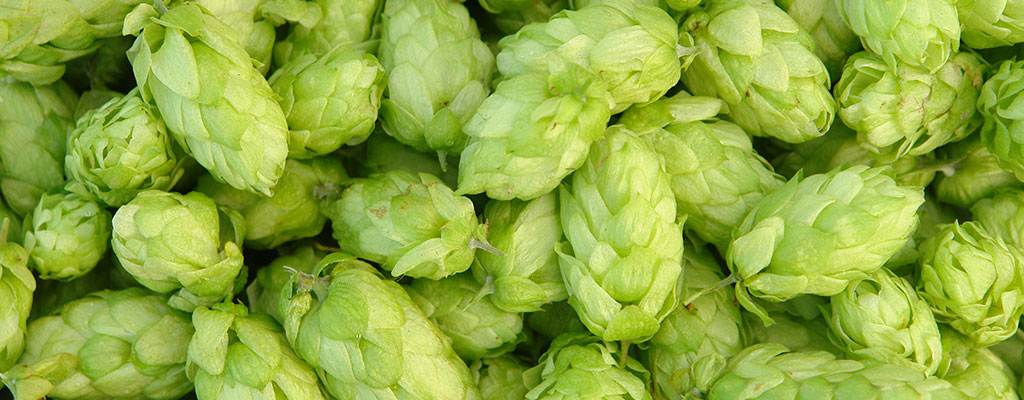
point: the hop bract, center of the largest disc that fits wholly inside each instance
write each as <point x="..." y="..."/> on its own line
<point x="580" y="366"/>
<point x="1002" y="215"/>
<point x="254" y="32"/>
<point x="66" y="236"/>
<point x="500" y="378"/>
<point x="16" y="296"/>
<point x="987" y="24"/>
<point x="923" y="33"/>
<point x="342" y="21"/>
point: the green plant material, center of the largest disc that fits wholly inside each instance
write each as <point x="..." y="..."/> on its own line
<point x="500" y="378"/>
<point x="629" y="45"/>
<point x="552" y="320"/>
<point x="232" y="125"/>
<point x="235" y="355"/>
<point x="817" y="234"/>
<point x="16" y="296"/>
<point x="622" y="259"/>
<point x="34" y="126"/>
<point x="341" y="21"/>
<point x="1002" y="215"/>
<point x="13" y="222"/>
<point x="882" y="318"/>
<point x="988" y="24"/>
<point x="532" y="132"/>
<point x="366" y="337"/>
<point x="385" y="154"/>
<point x="527" y="277"/>
<point x="834" y="42"/>
<point x="329" y="100"/>
<point x="1011" y="351"/>
<point x="253" y="31"/>
<point x="119" y="150"/>
<point x="66" y="236"/>
<point x="797" y="334"/>
<point x="932" y="215"/>
<point x="1000" y="130"/>
<point x="756" y="58"/>
<point x="979" y="373"/>
<point x="971" y="173"/>
<point x="581" y="366"/>
<point x="264" y="293"/>
<point x="409" y="224"/>
<point x="183" y="244"/>
<point x="511" y="20"/>
<point x="293" y="212"/>
<point x="123" y="344"/>
<point x="972" y="280"/>
<point x="439" y="72"/>
<point x="921" y="33"/>
<point x="696" y="339"/>
<point x="50" y="295"/>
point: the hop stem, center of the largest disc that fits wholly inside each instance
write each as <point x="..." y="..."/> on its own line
<point x="729" y="280"/>
<point x="475" y="243"/>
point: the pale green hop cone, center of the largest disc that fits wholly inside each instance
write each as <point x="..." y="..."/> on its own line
<point x="980" y="373"/>
<point x="988" y="24"/>
<point x="1002" y="215"/>
<point x="66" y="236"/>
<point x="922" y="33"/>
<point x="834" y="42"/>
<point x="500" y="378"/>
<point x="16" y="295"/>
<point x="997" y="104"/>
<point x="581" y="366"/>
<point x="342" y="21"/>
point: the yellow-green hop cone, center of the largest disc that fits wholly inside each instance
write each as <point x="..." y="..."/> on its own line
<point x="264" y="293"/>
<point x="921" y="33"/>
<point x="973" y="281"/>
<point x="410" y="224"/>
<point x="366" y="337"/>
<point x="34" y="126"/>
<point x="439" y="71"/>
<point x="329" y="100"/>
<point x="697" y="337"/>
<point x="833" y="39"/>
<point x="629" y="45"/>
<point x="882" y="318"/>
<point x="66" y="236"/>
<point x="252" y="29"/>
<point x="988" y="24"/>
<point x="532" y="132"/>
<point x="119" y="150"/>
<point x="181" y="244"/>
<point x="581" y="366"/>
<point x="217" y="106"/>
<point x="1000" y="132"/>
<point x="815" y="235"/>
<point x="978" y="372"/>
<point x="759" y="60"/>
<point x="238" y="355"/>
<point x="16" y="296"/>
<point x="342" y="21"/>
<point x="527" y="275"/>
<point x="292" y="213"/>
<point x="623" y="257"/>
<point x="905" y="110"/>
<point x="971" y="173"/>
<point x="123" y="344"/>
<point x="500" y="378"/>
<point x="1002" y="215"/>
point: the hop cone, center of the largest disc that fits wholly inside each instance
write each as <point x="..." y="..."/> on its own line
<point x="622" y="261"/>
<point x="16" y="294"/>
<point x="231" y="122"/>
<point x="982" y="375"/>
<point x="988" y="24"/>
<point x="527" y="276"/>
<point x="758" y="59"/>
<point x="500" y="378"/>
<point x="66" y="236"/>
<point x="905" y="110"/>
<point x="124" y="344"/>
<point x="34" y="124"/>
<point x="972" y="173"/>
<point x="532" y="132"/>
<point x="882" y="318"/>
<point x="293" y="212"/>
<point x="817" y="234"/>
<point x="1002" y="215"/>
<point x="264" y="293"/>
<point x="580" y="366"/>
<point x="698" y="337"/>
<point x="367" y="339"/>
<point x="629" y="45"/>
<point x="439" y="71"/>
<point x="13" y="221"/>
<point x="253" y="31"/>
<point x="236" y="355"/>
<point x="342" y="21"/>
<point x="330" y="101"/>
<point x="972" y="280"/>
<point x="833" y="39"/>
<point x="1002" y="124"/>
<point x="182" y="244"/>
<point x="119" y="150"/>
<point x="921" y="33"/>
<point x="409" y="224"/>
<point x="385" y="154"/>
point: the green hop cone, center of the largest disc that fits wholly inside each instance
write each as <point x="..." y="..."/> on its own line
<point x="231" y="123"/>
<point x="971" y="173"/>
<point x="40" y="36"/>
<point x="771" y="371"/>
<point x="882" y="318"/>
<point x="342" y="21"/>
<point x="182" y="244"/>
<point x="921" y="33"/>
<point x="253" y="31"/>
<point x="236" y="355"/>
<point x="759" y="60"/>
<point x="988" y="24"/>
<point x="717" y="177"/>
<point x="629" y="45"/>
<point x="622" y="260"/>
<point x="905" y="110"/>
<point x="409" y="224"/>
<point x="697" y="337"/>
<point x="581" y="366"/>
<point x="264" y="293"/>
<point x="1002" y="124"/>
<point x="833" y="39"/>
<point x="500" y="378"/>
<point x="981" y="374"/>
<point x="366" y="337"/>
<point x="815" y="235"/>
<point x="439" y="71"/>
<point x="532" y="132"/>
<point x="330" y="101"/>
<point x="34" y="126"/>
<point x="973" y="281"/>
<point x="527" y="276"/>
<point x="66" y="236"/>
<point x="16" y="295"/>
<point x="123" y="344"/>
<point x="385" y="154"/>
<point x="477" y="327"/>
<point x="119" y="150"/>
<point x="1002" y="215"/>
<point x="794" y="332"/>
<point x="293" y="212"/>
